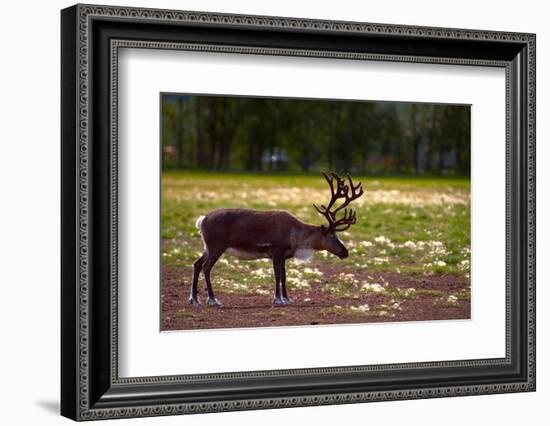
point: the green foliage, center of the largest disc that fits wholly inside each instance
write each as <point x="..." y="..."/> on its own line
<point x="404" y="225"/>
<point x="226" y="133"/>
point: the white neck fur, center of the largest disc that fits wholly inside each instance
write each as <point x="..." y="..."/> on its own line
<point x="303" y="254"/>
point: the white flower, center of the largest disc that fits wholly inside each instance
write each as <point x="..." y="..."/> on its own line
<point x="382" y="240"/>
<point x="347" y="278"/>
<point x="374" y="287"/>
<point x="313" y="271"/>
<point x="409" y="291"/>
<point x="260" y="272"/>
<point x="452" y="299"/>
<point x="409" y="244"/>
<point x="440" y="263"/>
<point x="360" y="308"/>
<point x="465" y="264"/>
<point x="297" y="282"/>
<point x="437" y="248"/>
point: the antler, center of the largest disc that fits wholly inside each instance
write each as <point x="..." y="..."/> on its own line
<point x="340" y="190"/>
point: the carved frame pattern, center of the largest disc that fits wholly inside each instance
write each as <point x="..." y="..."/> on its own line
<point x="85" y="14"/>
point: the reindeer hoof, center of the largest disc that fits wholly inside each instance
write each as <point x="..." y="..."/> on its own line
<point x="287" y="301"/>
<point x="213" y="302"/>
<point x="278" y="301"/>
<point x="194" y="301"/>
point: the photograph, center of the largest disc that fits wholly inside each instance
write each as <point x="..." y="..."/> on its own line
<point x="305" y="212"/>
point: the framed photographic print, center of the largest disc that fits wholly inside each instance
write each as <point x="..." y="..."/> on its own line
<point x="263" y="212"/>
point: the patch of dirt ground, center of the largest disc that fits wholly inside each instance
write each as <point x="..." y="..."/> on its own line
<point x="313" y="306"/>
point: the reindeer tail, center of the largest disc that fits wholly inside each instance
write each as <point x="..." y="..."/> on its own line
<point x="198" y="223"/>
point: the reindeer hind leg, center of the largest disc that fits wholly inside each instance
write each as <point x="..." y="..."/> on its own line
<point x="197" y="267"/>
<point x="212" y="258"/>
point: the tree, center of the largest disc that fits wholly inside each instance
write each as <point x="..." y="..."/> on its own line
<point x="271" y="134"/>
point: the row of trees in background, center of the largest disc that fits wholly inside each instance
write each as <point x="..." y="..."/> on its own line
<point x="266" y="134"/>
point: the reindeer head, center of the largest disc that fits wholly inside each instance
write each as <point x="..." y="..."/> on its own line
<point x="339" y="190"/>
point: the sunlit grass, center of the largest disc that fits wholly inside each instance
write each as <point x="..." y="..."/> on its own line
<point x="404" y="226"/>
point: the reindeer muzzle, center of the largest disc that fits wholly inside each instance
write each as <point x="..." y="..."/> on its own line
<point x="343" y="255"/>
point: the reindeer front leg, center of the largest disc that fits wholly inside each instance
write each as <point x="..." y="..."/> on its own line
<point x="281" y="296"/>
<point x="278" y="269"/>
<point x="286" y="299"/>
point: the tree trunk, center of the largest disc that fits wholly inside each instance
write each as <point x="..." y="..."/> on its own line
<point x="330" y="142"/>
<point x="202" y="138"/>
<point x="212" y="146"/>
<point x="416" y="140"/>
<point x="431" y="136"/>
<point x="179" y="133"/>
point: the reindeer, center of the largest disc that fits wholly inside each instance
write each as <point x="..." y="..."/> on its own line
<point x="277" y="235"/>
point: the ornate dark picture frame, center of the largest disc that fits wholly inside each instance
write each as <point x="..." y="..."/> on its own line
<point x="90" y="385"/>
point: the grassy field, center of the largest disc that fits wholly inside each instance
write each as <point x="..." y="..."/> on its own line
<point x="411" y="234"/>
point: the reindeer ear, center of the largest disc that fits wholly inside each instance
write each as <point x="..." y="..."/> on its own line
<point x="324" y="229"/>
